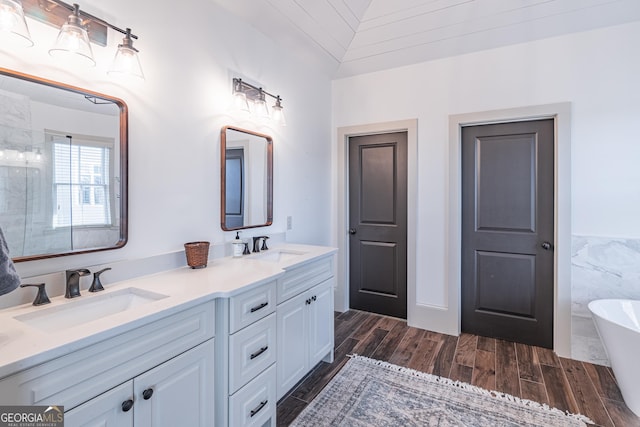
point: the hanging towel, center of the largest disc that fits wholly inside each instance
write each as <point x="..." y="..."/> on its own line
<point x="9" y="278"/>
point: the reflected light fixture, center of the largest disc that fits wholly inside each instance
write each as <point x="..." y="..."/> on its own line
<point x="244" y="92"/>
<point x="12" y="23"/>
<point x="73" y="43"/>
<point x="78" y="30"/>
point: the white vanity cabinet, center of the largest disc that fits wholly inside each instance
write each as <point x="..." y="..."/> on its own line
<point x="246" y="358"/>
<point x="172" y="356"/>
<point x="304" y="321"/>
<point x="177" y="392"/>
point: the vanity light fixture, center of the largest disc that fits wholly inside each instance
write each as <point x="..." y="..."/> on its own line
<point x="126" y="60"/>
<point x="78" y="30"/>
<point x="12" y="23"/>
<point x="73" y="43"/>
<point x="244" y="92"/>
<point x="277" y="115"/>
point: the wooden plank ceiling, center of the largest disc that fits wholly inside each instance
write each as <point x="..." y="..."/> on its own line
<point x="349" y="37"/>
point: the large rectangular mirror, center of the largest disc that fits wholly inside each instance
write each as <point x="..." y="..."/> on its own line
<point x="63" y="168"/>
<point x="246" y="178"/>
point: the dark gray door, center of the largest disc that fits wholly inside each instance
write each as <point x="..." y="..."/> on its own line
<point x="378" y="223"/>
<point x="507" y="231"/>
<point x="234" y="184"/>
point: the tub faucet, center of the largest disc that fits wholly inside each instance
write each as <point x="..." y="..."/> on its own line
<point x="256" y="243"/>
<point x="73" y="282"/>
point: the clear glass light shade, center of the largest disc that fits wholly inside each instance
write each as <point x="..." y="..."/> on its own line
<point x="277" y="115"/>
<point x="72" y="44"/>
<point x="260" y="109"/>
<point x="126" y="62"/>
<point x="240" y="102"/>
<point x="13" y="27"/>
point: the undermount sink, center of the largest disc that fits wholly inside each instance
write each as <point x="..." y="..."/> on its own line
<point x="277" y="255"/>
<point x="87" y="309"/>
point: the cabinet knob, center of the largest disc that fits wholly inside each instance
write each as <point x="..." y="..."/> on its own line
<point x="127" y="405"/>
<point x="146" y="395"/>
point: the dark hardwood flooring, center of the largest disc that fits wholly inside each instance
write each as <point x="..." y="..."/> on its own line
<point x="528" y="372"/>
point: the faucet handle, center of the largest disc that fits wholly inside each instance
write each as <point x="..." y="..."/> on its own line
<point x="79" y="272"/>
<point x="96" y="285"/>
<point x="264" y="243"/>
<point x="41" y="297"/>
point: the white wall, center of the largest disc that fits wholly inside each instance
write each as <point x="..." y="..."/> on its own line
<point x="596" y="71"/>
<point x="189" y="53"/>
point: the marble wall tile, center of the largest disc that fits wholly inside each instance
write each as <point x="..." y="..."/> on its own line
<point x="601" y="268"/>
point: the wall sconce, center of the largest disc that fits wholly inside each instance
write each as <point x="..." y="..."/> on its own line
<point x="77" y="30"/>
<point x="245" y="94"/>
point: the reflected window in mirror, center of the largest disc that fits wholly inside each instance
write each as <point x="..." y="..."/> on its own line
<point x="246" y="179"/>
<point x="63" y="164"/>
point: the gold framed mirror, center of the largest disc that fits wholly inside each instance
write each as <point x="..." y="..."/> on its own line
<point x="246" y="169"/>
<point x="63" y="168"/>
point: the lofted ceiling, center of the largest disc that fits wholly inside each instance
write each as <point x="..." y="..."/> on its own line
<point x="349" y="37"/>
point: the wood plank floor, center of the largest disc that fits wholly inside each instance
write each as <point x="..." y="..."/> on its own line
<point x="529" y="372"/>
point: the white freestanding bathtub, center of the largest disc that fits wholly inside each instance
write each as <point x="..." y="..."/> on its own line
<point x="618" y="323"/>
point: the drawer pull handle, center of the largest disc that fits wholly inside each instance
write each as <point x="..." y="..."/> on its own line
<point x="146" y="395"/>
<point x="259" y="408"/>
<point x="259" y="307"/>
<point x="259" y="352"/>
<point x="127" y="405"/>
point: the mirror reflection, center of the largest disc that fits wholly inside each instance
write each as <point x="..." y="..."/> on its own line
<point x="247" y="179"/>
<point x="62" y="168"/>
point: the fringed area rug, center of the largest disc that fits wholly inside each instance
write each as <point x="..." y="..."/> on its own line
<point x="369" y="392"/>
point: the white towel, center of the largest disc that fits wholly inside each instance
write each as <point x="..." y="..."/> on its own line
<point x="9" y="278"/>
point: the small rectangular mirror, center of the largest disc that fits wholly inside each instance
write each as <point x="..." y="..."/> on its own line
<point x="246" y="195"/>
<point x="63" y="168"/>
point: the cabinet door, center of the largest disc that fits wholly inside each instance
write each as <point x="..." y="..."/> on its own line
<point x="105" y="410"/>
<point x="320" y="322"/>
<point x="293" y="348"/>
<point x="179" y="392"/>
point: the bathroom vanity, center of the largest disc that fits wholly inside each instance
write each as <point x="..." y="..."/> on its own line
<point x="158" y="350"/>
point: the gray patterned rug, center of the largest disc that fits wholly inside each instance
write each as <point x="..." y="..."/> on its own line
<point x="369" y="392"/>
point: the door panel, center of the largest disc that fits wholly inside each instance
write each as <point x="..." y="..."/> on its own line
<point x="182" y="391"/>
<point x="378" y="223"/>
<point x="234" y="180"/>
<point x="507" y="213"/>
<point x="292" y="354"/>
<point x="321" y="332"/>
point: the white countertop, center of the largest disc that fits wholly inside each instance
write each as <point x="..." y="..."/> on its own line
<point x="23" y="346"/>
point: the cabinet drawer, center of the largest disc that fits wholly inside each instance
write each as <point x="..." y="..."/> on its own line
<point x="255" y="403"/>
<point x="298" y="280"/>
<point x="251" y="351"/>
<point x="251" y="306"/>
<point x="79" y="376"/>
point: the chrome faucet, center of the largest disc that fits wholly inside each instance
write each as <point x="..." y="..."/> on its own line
<point x="256" y="243"/>
<point x="73" y="282"/>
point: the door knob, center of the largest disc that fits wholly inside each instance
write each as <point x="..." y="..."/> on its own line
<point x="352" y="231"/>
<point x="546" y="246"/>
